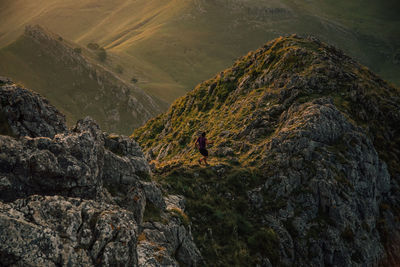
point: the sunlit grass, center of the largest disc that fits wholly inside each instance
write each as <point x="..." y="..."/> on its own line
<point x="170" y="46"/>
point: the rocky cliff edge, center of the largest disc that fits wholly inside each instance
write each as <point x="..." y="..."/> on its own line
<point x="80" y="196"/>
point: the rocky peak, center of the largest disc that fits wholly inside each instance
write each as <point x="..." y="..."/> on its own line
<point x="305" y="155"/>
<point x="39" y="33"/>
<point x="248" y="102"/>
<point x="54" y="44"/>
<point x="80" y="196"/>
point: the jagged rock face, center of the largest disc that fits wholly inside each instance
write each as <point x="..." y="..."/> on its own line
<point x="159" y="240"/>
<point x="80" y="196"/>
<point x="323" y="133"/>
<point x="53" y="231"/>
<point x="324" y="167"/>
<point x="69" y="164"/>
<point x="29" y="114"/>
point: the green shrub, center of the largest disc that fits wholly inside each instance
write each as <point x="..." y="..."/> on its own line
<point x="224" y="89"/>
<point x="348" y="234"/>
<point x="119" y="69"/>
<point x="266" y="242"/>
<point x="244" y="226"/>
<point x="102" y="54"/>
<point x="151" y="213"/>
<point x="5" y="128"/>
<point x="291" y="228"/>
<point x="78" y="50"/>
<point x="180" y="214"/>
<point x="93" y="46"/>
<point x="396" y="57"/>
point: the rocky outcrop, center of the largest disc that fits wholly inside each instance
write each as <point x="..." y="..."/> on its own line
<point x="54" y="231"/>
<point x="70" y="164"/>
<point x="78" y="196"/>
<point x="28" y="113"/>
<point x="158" y="240"/>
<point x="332" y="182"/>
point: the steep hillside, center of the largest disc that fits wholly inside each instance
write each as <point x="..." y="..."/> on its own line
<point x="72" y="78"/>
<point x="79" y="196"/>
<point x="170" y="46"/>
<point x="304" y="165"/>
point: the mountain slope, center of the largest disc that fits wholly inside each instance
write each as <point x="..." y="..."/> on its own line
<point x="71" y="77"/>
<point x="304" y="161"/>
<point x="173" y="45"/>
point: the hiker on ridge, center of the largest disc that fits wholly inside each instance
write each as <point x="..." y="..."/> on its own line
<point x="201" y="144"/>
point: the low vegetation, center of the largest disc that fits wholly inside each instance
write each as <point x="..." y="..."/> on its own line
<point x="224" y="228"/>
<point x="101" y="54"/>
<point x="151" y="213"/>
<point x="119" y="69"/>
<point x="93" y="46"/>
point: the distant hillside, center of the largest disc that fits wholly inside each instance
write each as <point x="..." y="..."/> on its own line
<point x="170" y="46"/>
<point x="73" y="79"/>
<point x="304" y="166"/>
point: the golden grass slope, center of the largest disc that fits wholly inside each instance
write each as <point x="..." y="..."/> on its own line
<point x="75" y="81"/>
<point x="171" y="45"/>
<point x="116" y="25"/>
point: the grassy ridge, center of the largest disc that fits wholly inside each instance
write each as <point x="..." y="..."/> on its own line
<point x="225" y="102"/>
<point x="244" y="110"/>
<point x="229" y="106"/>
